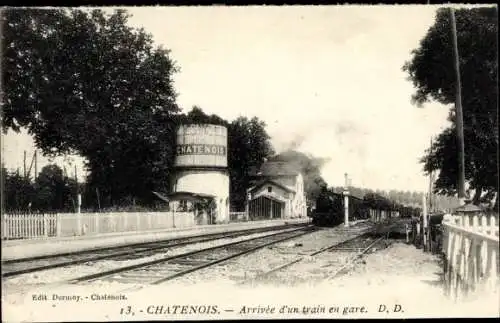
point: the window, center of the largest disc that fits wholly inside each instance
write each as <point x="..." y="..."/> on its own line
<point x="269" y="189"/>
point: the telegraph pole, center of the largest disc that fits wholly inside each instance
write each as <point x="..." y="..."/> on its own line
<point x="346" y="201"/>
<point x="431" y="180"/>
<point x="24" y="165"/>
<point x="36" y="164"/>
<point x="78" y="195"/>
<point x="459" y="113"/>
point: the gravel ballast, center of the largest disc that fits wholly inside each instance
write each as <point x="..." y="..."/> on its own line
<point x="395" y="281"/>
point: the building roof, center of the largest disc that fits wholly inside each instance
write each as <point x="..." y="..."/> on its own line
<point x="268" y="181"/>
<point x="189" y="196"/>
<point x="276" y="169"/>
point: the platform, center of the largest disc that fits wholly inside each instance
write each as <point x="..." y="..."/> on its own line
<point x="15" y="249"/>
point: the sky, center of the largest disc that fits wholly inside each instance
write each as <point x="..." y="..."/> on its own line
<point x="327" y="80"/>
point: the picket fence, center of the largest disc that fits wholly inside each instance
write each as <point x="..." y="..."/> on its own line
<point x="381" y="215"/>
<point x="237" y="216"/>
<point x="40" y="226"/>
<point x="470" y="245"/>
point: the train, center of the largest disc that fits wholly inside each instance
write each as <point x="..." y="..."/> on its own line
<point x="329" y="210"/>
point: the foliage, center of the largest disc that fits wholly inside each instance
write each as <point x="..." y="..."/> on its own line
<point x="84" y="82"/>
<point x="402" y="198"/>
<point x="249" y="146"/>
<point x="197" y="116"/>
<point x="50" y="191"/>
<point x="432" y="72"/>
<point x="18" y="192"/>
<point x="54" y="191"/>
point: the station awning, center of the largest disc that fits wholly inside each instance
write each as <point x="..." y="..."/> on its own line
<point x="187" y="196"/>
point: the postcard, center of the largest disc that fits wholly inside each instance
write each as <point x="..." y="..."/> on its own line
<point x="249" y="162"/>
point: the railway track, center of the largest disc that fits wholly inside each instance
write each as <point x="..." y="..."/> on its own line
<point x="355" y="247"/>
<point x="162" y="270"/>
<point x="16" y="267"/>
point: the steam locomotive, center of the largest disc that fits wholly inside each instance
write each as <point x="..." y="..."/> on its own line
<point x="330" y="209"/>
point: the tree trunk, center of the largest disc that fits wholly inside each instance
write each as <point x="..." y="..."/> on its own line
<point x="477" y="196"/>
<point x="495" y="207"/>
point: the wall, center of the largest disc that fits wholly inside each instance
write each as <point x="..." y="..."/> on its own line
<point x="212" y="182"/>
<point x="295" y="203"/>
<point x="288" y="181"/>
<point x="277" y="192"/>
<point x="299" y="205"/>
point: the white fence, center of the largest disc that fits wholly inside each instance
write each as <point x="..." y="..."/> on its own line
<point x="471" y="244"/>
<point x="237" y="216"/>
<point x="381" y="215"/>
<point x="33" y="226"/>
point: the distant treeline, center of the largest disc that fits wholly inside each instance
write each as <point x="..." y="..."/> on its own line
<point x="51" y="190"/>
<point x="406" y="198"/>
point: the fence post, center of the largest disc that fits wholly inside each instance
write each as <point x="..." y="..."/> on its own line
<point x="45" y="225"/>
<point x="124" y="222"/>
<point x="96" y="222"/>
<point x="493" y="270"/>
<point x="79" y="223"/>
<point x="475" y="222"/>
<point x="493" y="224"/>
<point x="58" y="224"/>
<point x="483" y="223"/>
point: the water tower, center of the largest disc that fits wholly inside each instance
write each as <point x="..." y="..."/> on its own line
<point x="201" y="164"/>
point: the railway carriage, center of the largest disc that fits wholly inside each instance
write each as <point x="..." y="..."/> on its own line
<point x="330" y="209"/>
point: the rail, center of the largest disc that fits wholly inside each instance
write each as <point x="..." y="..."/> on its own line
<point x="471" y="249"/>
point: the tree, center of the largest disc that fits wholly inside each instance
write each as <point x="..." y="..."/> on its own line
<point x="54" y="191"/>
<point x="84" y="82"/>
<point x="196" y="115"/>
<point x="249" y="144"/>
<point x="432" y="72"/>
<point x="17" y="192"/>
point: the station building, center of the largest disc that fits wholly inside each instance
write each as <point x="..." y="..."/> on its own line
<point x="276" y="192"/>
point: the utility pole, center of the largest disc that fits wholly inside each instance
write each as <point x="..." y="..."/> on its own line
<point x="78" y="196"/>
<point x="346" y="201"/>
<point x="459" y="113"/>
<point x="36" y="163"/>
<point x="24" y="164"/>
<point x="425" y="222"/>
<point x="431" y="181"/>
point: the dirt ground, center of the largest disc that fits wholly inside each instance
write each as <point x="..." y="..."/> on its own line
<point x="396" y="281"/>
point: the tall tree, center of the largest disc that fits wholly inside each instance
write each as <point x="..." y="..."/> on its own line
<point x="84" y="82"/>
<point x="249" y="144"/>
<point x="54" y="191"/>
<point x="18" y="192"/>
<point x="432" y="72"/>
<point x="197" y="115"/>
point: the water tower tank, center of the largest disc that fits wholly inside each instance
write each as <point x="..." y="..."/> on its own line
<point x="201" y="145"/>
<point x="201" y="164"/>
